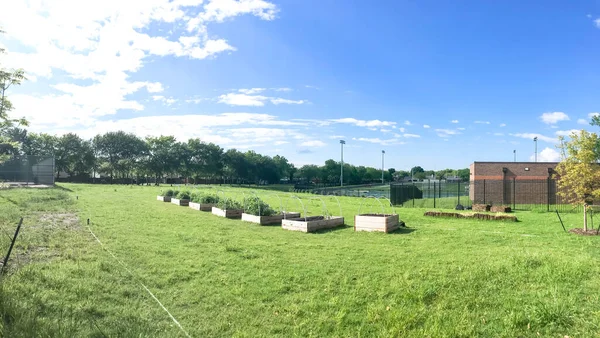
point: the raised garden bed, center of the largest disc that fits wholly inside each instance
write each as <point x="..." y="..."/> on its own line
<point x="376" y="222"/>
<point x="163" y="198"/>
<point x="201" y="206"/>
<point x="265" y="220"/>
<point x="313" y="223"/>
<point x="180" y="202"/>
<point x="491" y="217"/>
<point x="228" y="213"/>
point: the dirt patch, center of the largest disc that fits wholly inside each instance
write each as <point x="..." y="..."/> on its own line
<point x="58" y="221"/>
<point x="580" y="231"/>
<point x="486" y="217"/>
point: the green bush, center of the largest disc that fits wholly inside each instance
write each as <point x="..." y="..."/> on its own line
<point x="228" y="204"/>
<point x="168" y="193"/>
<point x="258" y="207"/>
<point x="175" y="193"/>
<point x="183" y="195"/>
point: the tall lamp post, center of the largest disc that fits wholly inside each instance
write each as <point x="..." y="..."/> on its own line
<point x="535" y="142"/>
<point x="515" y="154"/>
<point x="382" y="156"/>
<point x="342" y="142"/>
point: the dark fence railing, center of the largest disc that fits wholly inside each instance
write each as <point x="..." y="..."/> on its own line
<point x="541" y="195"/>
<point x="28" y="170"/>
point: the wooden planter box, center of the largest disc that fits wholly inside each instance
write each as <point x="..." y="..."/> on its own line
<point x="264" y="220"/>
<point x="229" y="213"/>
<point x="183" y="203"/>
<point x="311" y="224"/>
<point x="201" y="207"/>
<point x="376" y="222"/>
<point x="163" y="198"/>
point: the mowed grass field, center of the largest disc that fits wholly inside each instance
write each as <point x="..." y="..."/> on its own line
<point x="226" y="278"/>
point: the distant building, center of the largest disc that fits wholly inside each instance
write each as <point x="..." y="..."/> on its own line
<point x="513" y="182"/>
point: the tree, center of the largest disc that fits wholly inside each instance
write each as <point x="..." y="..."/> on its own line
<point x="464" y="174"/>
<point x="73" y="155"/>
<point x="119" y="152"/>
<point x="161" y="158"/>
<point x="578" y="172"/>
<point x="8" y="78"/>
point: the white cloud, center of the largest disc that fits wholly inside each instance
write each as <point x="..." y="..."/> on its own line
<point x="546" y="155"/>
<point x="460" y="128"/>
<point x="502" y="124"/>
<point x="454" y="121"/>
<point x="234" y="99"/>
<point x="364" y="123"/>
<point x="426" y="126"/>
<point x="278" y="143"/>
<point x="498" y="134"/>
<point x="197" y="100"/>
<point x="385" y="130"/>
<point x="582" y="121"/>
<point x="104" y="43"/>
<point x="567" y="133"/>
<point x="251" y="91"/>
<point x="337" y="137"/>
<point x="167" y="101"/>
<point x="284" y="89"/>
<point x="276" y="101"/>
<point x="446" y="132"/>
<point x="313" y="87"/>
<point x="597" y="22"/>
<point x="554" y="117"/>
<point x="411" y="136"/>
<point x="532" y="135"/>
<point x="376" y="140"/>
<point x="591" y="115"/>
<point x="482" y="122"/>
<point x="313" y="143"/>
<point x="407" y="123"/>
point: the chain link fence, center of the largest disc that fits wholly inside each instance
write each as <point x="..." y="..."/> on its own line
<point x="27" y="171"/>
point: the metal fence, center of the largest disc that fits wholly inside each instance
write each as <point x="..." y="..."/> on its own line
<point x="540" y="195"/>
<point x="28" y="170"/>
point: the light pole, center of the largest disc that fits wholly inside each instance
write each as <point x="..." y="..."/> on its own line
<point x="515" y="153"/>
<point x="535" y="141"/>
<point x="342" y="142"/>
<point x="382" y="155"/>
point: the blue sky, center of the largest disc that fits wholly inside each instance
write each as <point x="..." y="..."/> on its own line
<point x="433" y="83"/>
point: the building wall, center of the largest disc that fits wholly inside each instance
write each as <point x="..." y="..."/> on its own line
<point x="513" y="182"/>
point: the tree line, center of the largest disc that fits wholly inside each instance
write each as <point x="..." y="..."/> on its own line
<point x="125" y="157"/>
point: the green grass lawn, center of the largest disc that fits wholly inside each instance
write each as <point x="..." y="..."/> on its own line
<point x="219" y="277"/>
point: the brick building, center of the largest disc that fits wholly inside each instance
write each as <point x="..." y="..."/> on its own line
<point x="513" y="183"/>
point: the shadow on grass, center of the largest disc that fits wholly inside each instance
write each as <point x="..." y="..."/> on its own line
<point x="402" y="230"/>
<point x="59" y="187"/>
<point x="338" y="228"/>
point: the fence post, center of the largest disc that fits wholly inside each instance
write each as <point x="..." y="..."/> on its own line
<point x="548" y="194"/>
<point x="458" y="191"/>
<point x="413" y="193"/>
<point x="514" y="193"/>
<point x="483" y="191"/>
<point x="434" y="195"/>
<point x="12" y="243"/>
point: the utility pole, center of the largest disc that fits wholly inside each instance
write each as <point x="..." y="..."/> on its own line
<point x="382" y="156"/>
<point x="342" y="142"/>
<point x="535" y="142"/>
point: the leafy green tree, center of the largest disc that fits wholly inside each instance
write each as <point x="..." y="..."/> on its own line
<point x="8" y="78"/>
<point x="73" y="156"/>
<point x="578" y="172"/>
<point x="119" y="153"/>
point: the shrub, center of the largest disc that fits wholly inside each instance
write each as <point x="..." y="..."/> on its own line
<point x="258" y="207"/>
<point x="226" y="204"/>
<point x="175" y="193"/>
<point x="203" y="198"/>
<point x="183" y="195"/>
<point x="169" y="193"/>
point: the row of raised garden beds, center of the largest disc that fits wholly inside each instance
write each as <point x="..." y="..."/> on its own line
<point x="257" y="211"/>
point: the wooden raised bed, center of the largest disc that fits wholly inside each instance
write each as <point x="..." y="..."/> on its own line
<point x="500" y="208"/>
<point x="265" y="220"/>
<point x="376" y="222"/>
<point x="183" y="203"/>
<point x="228" y="213"/>
<point x="481" y="207"/>
<point x="163" y="198"/>
<point x="311" y="224"/>
<point x="201" y="206"/>
<point x="491" y="217"/>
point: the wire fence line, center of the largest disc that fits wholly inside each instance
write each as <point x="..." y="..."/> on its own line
<point x="28" y="170"/>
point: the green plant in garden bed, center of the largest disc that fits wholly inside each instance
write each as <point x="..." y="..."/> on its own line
<point x="183" y="195"/>
<point x="257" y="207"/>
<point x="203" y="198"/>
<point x="229" y="204"/>
<point x="168" y="193"/>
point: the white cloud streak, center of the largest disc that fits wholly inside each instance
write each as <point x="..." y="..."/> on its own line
<point x="554" y="117"/>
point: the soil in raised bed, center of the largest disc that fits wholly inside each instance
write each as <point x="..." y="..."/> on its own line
<point x="580" y="231"/>
<point x="307" y="219"/>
